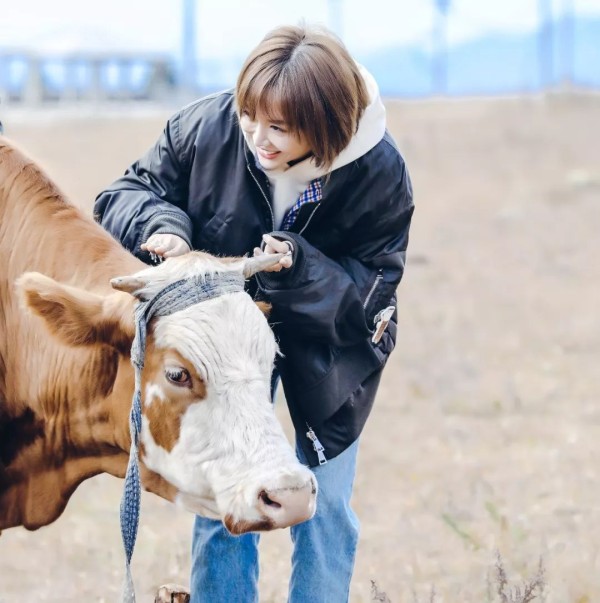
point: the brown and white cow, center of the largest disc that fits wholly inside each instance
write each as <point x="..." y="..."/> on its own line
<point x="209" y="438"/>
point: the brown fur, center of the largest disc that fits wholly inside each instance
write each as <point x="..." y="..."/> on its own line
<point x="264" y="307"/>
<point x="165" y="417"/>
<point x="63" y="409"/>
<point x="241" y="527"/>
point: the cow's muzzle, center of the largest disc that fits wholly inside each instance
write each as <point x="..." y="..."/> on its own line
<point x="278" y="508"/>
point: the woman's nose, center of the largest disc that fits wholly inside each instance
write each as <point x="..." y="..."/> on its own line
<point x="261" y="136"/>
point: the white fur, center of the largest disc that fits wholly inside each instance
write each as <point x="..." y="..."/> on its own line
<point x="231" y="446"/>
<point x="153" y="391"/>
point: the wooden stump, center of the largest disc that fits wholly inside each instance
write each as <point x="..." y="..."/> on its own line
<point x="172" y="593"/>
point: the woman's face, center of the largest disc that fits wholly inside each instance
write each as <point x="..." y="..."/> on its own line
<point x="275" y="144"/>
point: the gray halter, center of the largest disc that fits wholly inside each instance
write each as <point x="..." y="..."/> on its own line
<point x="173" y="298"/>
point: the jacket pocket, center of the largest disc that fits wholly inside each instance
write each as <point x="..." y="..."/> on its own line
<point x="387" y="343"/>
<point x="381" y="295"/>
<point x="369" y="303"/>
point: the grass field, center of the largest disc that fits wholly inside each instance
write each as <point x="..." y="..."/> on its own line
<point x="486" y="432"/>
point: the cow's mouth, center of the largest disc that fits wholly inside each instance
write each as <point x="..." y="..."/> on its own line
<point x="242" y="526"/>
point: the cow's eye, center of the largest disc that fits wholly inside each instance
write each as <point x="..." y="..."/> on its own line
<point x="178" y="376"/>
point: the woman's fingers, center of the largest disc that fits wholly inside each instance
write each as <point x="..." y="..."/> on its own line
<point x="273" y="245"/>
<point x="179" y="247"/>
<point x="166" y="245"/>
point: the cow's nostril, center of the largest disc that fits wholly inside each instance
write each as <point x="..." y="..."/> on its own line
<point x="267" y="500"/>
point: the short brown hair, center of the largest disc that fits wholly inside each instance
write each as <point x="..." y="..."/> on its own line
<point x="306" y="77"/>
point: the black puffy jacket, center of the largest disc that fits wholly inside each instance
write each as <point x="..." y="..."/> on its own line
<point x="200" y="181"/>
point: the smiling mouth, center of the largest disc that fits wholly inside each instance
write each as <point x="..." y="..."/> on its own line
<point x="267" y="154"/>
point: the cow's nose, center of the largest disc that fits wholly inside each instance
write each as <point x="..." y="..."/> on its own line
<point x="288" y="506"/>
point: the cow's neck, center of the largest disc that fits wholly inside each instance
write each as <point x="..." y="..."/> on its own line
<point x="77" y="425"/>
<point x="100" y="423"/>
<point x="46" y="459"/>
<point x="46" y="452"/>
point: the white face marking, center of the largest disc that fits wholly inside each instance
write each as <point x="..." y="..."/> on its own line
<point x="153" y="391"/>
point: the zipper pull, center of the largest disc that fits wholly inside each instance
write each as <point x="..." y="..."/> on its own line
<point x="310" y="434"/>
<point x="381" y="322"/>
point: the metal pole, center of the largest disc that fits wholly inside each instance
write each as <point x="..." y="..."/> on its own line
<point x="335" y="16"/>
<point x="189" y="76"/>
<point x="545" y="44"/>
<point x="440" y="47"/>
<point x="568" y="45"/>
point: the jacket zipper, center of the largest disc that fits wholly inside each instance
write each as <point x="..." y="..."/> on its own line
<point x="264" y="196"/>
<point x="310" y="218"/>
<point x="378" y="279"/>
<point x="318" y="447"/>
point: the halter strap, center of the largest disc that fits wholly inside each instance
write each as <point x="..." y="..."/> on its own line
<point x="174" y="297"/>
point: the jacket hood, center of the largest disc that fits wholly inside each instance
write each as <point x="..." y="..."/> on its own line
<point x="288" y="184"/>
<point x="371" y="129"/>
<point x="371" y="126"/>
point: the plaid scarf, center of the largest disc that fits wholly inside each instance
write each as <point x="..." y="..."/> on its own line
<point x="313" y="194"/>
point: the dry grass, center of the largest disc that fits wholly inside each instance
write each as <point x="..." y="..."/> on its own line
<point x="485" y="434"/>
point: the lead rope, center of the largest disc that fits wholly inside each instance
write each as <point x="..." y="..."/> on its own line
<point x="176" y="296"/>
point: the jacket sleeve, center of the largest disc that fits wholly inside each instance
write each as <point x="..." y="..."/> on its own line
<point x="337" y="300"/>
<point x="150" y="198"/>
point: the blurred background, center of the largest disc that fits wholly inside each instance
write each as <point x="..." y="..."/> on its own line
<point x="485" y="433"/>
<point x="154" y="50"/>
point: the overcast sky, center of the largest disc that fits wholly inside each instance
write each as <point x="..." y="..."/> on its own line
<point x="230" y="28"/>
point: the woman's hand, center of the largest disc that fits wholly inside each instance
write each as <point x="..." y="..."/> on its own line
<point x="165" y="245"/>
<point x="273" y="245"/>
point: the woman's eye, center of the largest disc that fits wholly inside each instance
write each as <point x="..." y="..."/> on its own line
<point x="278" y="129"/>
<point x="178" y="376"/>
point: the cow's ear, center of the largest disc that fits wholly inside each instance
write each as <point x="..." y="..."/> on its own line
<point x="76" y="316"/>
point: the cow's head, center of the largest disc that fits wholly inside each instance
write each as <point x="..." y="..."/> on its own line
<point x="208" y="426"/>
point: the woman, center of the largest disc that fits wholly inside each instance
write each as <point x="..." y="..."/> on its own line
<point x="296" y="159"/>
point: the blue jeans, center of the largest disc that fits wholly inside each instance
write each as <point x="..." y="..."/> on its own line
<point x="225" y="567"/>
